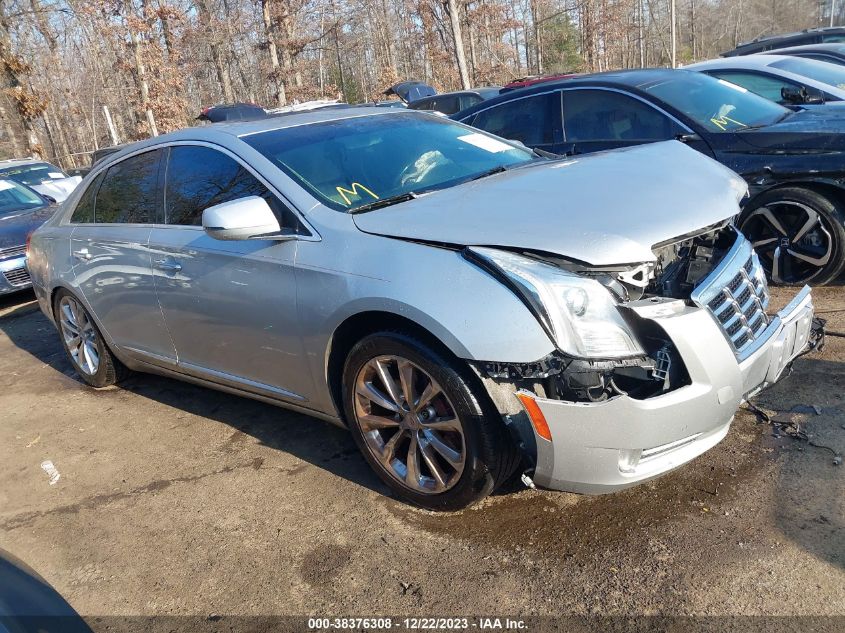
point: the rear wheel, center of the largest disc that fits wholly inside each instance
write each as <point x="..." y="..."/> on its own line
<point x="83" y="343"/>
<point x="422" y="424"/>
<point x="798" y="235"/>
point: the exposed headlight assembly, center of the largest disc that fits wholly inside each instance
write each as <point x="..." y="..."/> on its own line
<point x="579" y="314"/>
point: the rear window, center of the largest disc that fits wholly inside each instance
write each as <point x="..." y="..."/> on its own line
<point x="33" y="174"/>
<point x="15" y="197"/>
<point x="129" y="193"/>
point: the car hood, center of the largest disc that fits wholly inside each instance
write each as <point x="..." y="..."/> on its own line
<point x="16" y="225"/>
<point x="58" y="189"/>
<point x="604" y="209"/>
<point x="819" y="128"/>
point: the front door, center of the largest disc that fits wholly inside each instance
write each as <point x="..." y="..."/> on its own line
<point x="230" y="306"/>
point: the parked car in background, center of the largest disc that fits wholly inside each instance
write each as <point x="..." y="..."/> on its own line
<point x="831" y="53"/>
<point x="771" y="42"/>
<point x="44" y="177"/>
<point x="408" y="91"/>
<point x="232" y="112"/>
<point x="533" y="80"/>
<point x="464" y="306"/>
<point x="451" y="102"/>
<point x="793" y="162"/>
<point x="22" y="210"/>
<point x="789" y="81"/>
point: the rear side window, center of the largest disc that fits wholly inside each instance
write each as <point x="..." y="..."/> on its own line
<point x="603" y="115"/>
<point x="129" y="193"/>
<point x="531" y="120"/>
<point x="199" y="177"/>
<point x="84" y="211"/>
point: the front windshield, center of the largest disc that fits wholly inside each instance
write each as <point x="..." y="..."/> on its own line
<point x="830" y="74"/>
<point x="348" y="163"/>
<point x="15" y="197"/>
<point x="716" y="104"/>
<point x="33" y="174"/>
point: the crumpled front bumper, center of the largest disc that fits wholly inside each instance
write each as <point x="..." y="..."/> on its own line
<point x="606" y="446"/>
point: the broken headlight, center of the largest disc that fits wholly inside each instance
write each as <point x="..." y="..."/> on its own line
<point x="578" y="313"/>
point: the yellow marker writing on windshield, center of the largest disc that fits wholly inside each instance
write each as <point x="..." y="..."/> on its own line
<point x="354" y="192"/>
<point x="723" y="121"/>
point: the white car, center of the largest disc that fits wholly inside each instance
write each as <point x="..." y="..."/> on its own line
<point x="783" y="79"/>
<point x="45" y="178"/>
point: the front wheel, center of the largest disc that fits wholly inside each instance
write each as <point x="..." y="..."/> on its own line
<point x="798" y="235"/>
<point x="428" y="432"/>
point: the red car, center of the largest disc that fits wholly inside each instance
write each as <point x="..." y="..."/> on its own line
<point x="531" y="80"/>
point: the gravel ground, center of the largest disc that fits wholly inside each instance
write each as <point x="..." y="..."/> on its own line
<point x="175" y="499"/>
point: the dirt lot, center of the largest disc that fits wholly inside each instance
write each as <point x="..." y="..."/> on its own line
<point x="174" y="499"/>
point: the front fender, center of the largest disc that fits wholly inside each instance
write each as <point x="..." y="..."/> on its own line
<point x="469" y="311"/>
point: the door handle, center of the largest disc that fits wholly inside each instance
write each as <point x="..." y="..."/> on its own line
<point x="82" y="254"/>
<point x="168" y="265"/>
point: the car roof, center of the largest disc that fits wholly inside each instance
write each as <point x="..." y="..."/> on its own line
<point x="758" y="60"/>
<point x="19" y="162"/>
<point x="239" y="129"/>
<point x="629" y="78"/>
<point x="812" y="48"/>
<point x="774" y="37"/>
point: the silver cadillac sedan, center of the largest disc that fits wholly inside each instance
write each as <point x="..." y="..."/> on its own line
<point x="469" y="310"/>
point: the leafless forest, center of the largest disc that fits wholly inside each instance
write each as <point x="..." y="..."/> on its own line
<point x="155" y="63"/>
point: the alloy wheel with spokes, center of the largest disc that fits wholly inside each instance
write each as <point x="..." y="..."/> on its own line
<point x="409" y="424"/>
<point x="80" y="335"/>
<point x="797" y="238"/>
<point x="83" y="342"/>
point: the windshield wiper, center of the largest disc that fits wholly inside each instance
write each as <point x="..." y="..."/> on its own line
<point x="385" y="202"/>
<point x="495" y="170"/>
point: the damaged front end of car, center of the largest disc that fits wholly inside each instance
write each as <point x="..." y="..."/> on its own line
<point x="652" y="359"/>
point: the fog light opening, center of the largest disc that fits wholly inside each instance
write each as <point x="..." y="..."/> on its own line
<point x="629" y="459"/>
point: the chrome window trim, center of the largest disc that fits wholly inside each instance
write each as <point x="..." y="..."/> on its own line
<point x="65" y="220"/>
<point x="496" y="105"/>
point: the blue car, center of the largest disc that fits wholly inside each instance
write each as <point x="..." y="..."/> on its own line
<point x="22" y="210"/>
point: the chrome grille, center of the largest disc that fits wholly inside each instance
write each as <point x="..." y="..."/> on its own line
<point x="736" y="295"/>
<point x="17" y="277"/>
<point x="14" y="251"/>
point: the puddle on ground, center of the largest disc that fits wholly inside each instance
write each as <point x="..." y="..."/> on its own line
<point x="563" y="524"/>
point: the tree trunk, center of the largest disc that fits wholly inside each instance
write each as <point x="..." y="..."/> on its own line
<point x="141" y="74"/>
<point x="272" y="50"/>
<point x="460" y="55"/>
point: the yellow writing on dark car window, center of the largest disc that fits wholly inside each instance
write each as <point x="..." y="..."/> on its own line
<point x="355" y="187"/>
<point x="723" y="122"/>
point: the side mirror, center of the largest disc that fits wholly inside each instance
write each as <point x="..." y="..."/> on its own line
<point x="242" y="219"/>
<point x="801" y="96"/>
<point x="813" y="96"/>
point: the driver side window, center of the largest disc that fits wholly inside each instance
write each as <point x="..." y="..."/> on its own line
<point x="199" y="177"/>
<point x="604" y="115"/>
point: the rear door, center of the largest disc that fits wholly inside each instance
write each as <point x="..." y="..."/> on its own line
<point x="596" y="119"/>
<point x="230" y="306"/>
<point x="111" y="260"/>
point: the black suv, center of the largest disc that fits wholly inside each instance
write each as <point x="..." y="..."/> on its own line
<point x="771" y="42"/>
<point x="793" y="162"/>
